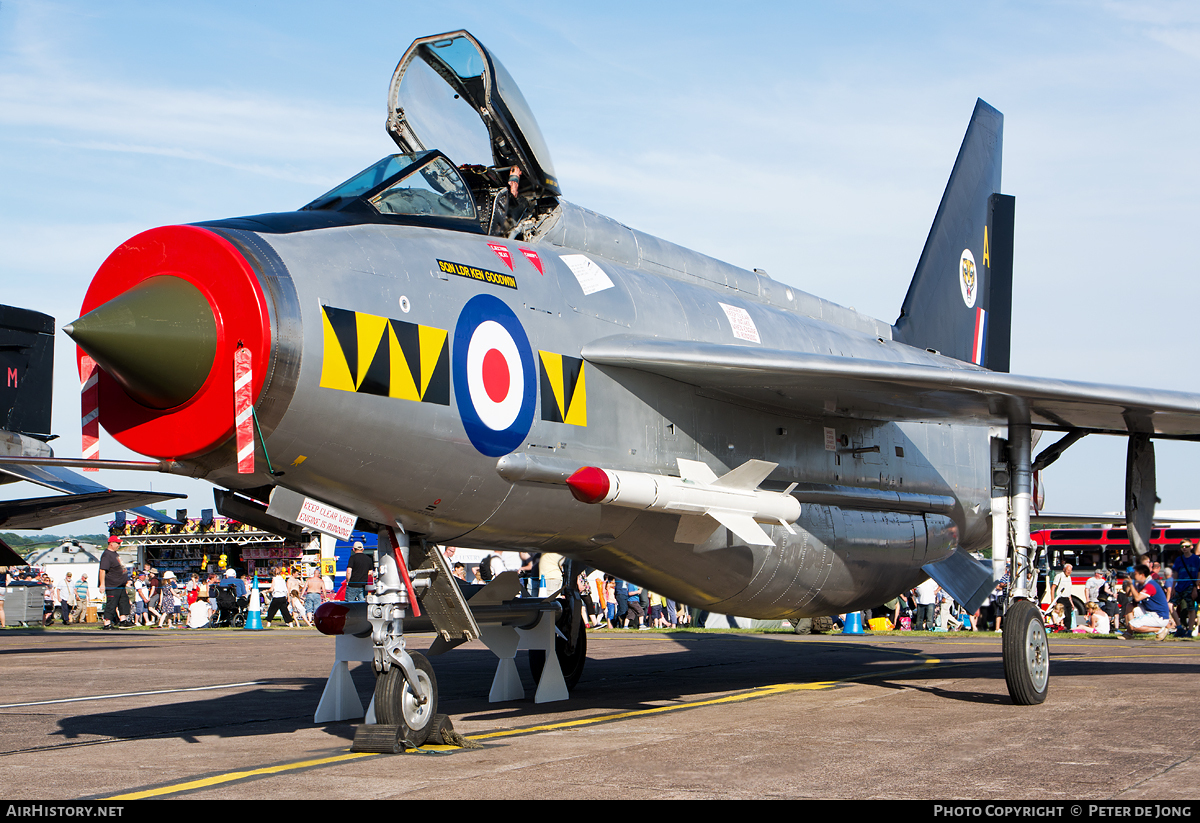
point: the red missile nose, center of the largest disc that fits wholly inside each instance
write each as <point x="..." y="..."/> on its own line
<point x="163" y="316"/>
<point x="589" y="484"/>
<point x="330" y="617"/>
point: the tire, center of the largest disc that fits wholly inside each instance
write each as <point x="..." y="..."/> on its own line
<point x="1026" y="654"/>
<point x="571" y="664"/>
<point x="396" y="704"/>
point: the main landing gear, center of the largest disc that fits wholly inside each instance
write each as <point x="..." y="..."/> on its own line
<point x="1026" y="649"/>
<point x="570" y="644"/>
<point x="1026" y="654"/>
<point x="571" y="655"/>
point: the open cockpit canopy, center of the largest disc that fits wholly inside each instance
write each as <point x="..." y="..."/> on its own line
<point x="450" y="93"/>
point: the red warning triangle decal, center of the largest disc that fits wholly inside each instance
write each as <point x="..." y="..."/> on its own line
<point x="503" y="254"/>
<point x="534" y="259"/>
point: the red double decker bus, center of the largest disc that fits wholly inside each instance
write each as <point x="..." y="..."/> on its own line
<point x="1107" y="549"/>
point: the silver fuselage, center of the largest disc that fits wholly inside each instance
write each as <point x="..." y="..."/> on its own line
<point x="391" y="459"/>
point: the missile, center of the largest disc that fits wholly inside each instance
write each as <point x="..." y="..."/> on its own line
<point x="334" y="617"/>
<point x="703" y="500"/>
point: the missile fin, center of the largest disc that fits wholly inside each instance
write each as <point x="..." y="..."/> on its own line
<point x="743" y="526"/>
<point x="502" y="588"/>
<point x="746" y="476"/>
<point x="696" y="472"/>
<point x="695" y="529"/>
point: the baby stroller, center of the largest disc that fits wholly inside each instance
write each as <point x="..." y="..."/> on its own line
<point x="230" y="613"/>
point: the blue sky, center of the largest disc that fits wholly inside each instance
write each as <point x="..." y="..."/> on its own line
<point x="810" y="140"/>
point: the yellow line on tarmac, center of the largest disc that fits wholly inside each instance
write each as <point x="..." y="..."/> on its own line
<point x="1131" y="653"/>
<point x="229" y="777"/>
<point x="763" y="691"/>
<point x="753" y="694"/>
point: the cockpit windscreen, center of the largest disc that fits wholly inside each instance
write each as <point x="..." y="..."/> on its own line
<point x="421" y="184"/>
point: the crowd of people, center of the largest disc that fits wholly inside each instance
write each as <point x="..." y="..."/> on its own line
<point x="609" y="603"/>
<point x="1146" y="598"/>
<point x="1142" y="599"/>
<point x="214" y="600"/>
<point x="69" y="598"/>
<point x="147" y="597"/>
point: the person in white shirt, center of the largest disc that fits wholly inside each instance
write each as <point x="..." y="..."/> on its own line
<point x="925" y="596"/>
<point x="66" y="593"/>
<point x="1062" y="584"/>
<point x="279" y="599"/>
<point x="1097" y="621"/>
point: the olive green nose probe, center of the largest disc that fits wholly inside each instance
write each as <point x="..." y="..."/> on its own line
<point x="158" y="340"/>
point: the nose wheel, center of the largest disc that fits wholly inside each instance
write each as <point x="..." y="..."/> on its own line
<point x="1026" y="654"/>
<point x="398" y="704"/>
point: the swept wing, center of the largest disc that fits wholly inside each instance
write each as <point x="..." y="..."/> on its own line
<point x="45" y="512"/>
<point x="816" y="385"/>
<point x="65" y="480"/>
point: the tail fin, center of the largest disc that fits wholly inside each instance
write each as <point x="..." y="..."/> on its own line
<point x="960" y="299"/>
<point x="26" y="370"/>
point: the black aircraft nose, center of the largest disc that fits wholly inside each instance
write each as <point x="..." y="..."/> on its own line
<point x="157" y="340"/>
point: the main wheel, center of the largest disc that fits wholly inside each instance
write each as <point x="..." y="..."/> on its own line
<point x="571" y="662"/>
<point x="1026" y="654"/>
<point x="396" y="704"/>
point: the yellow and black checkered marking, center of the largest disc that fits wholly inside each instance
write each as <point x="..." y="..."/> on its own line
<point x="564" y="391"/>
<point x="390" y="358"/>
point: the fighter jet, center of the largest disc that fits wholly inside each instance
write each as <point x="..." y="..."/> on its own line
<point x="446" y="349"/>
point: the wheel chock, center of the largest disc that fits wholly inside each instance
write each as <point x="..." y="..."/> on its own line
<point x="378" y="739"/>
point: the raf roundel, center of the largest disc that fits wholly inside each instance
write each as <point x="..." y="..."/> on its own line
<point x="495" y="385"/>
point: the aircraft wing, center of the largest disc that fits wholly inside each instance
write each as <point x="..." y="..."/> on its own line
<point x="8" y="557"/>
<point x="65" y="480"/>
<point x="44" y="512"/>
<point x="817" y="385"/>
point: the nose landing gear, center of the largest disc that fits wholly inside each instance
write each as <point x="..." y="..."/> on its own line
<point x="398" y="704"/>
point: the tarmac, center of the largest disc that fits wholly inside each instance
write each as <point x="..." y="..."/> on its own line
<point x="229" y="714"/>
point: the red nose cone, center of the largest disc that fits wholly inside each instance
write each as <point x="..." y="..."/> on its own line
<point x="589" y="484"/>
<point x="223" y="282"/>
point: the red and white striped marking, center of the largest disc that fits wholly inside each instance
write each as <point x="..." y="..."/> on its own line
<point x="89" y="396"/>
<point x="980" y="337"/>
<point x="243" y="404"/>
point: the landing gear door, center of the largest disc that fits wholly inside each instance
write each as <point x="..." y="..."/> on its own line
<point x="450" y="93"/>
